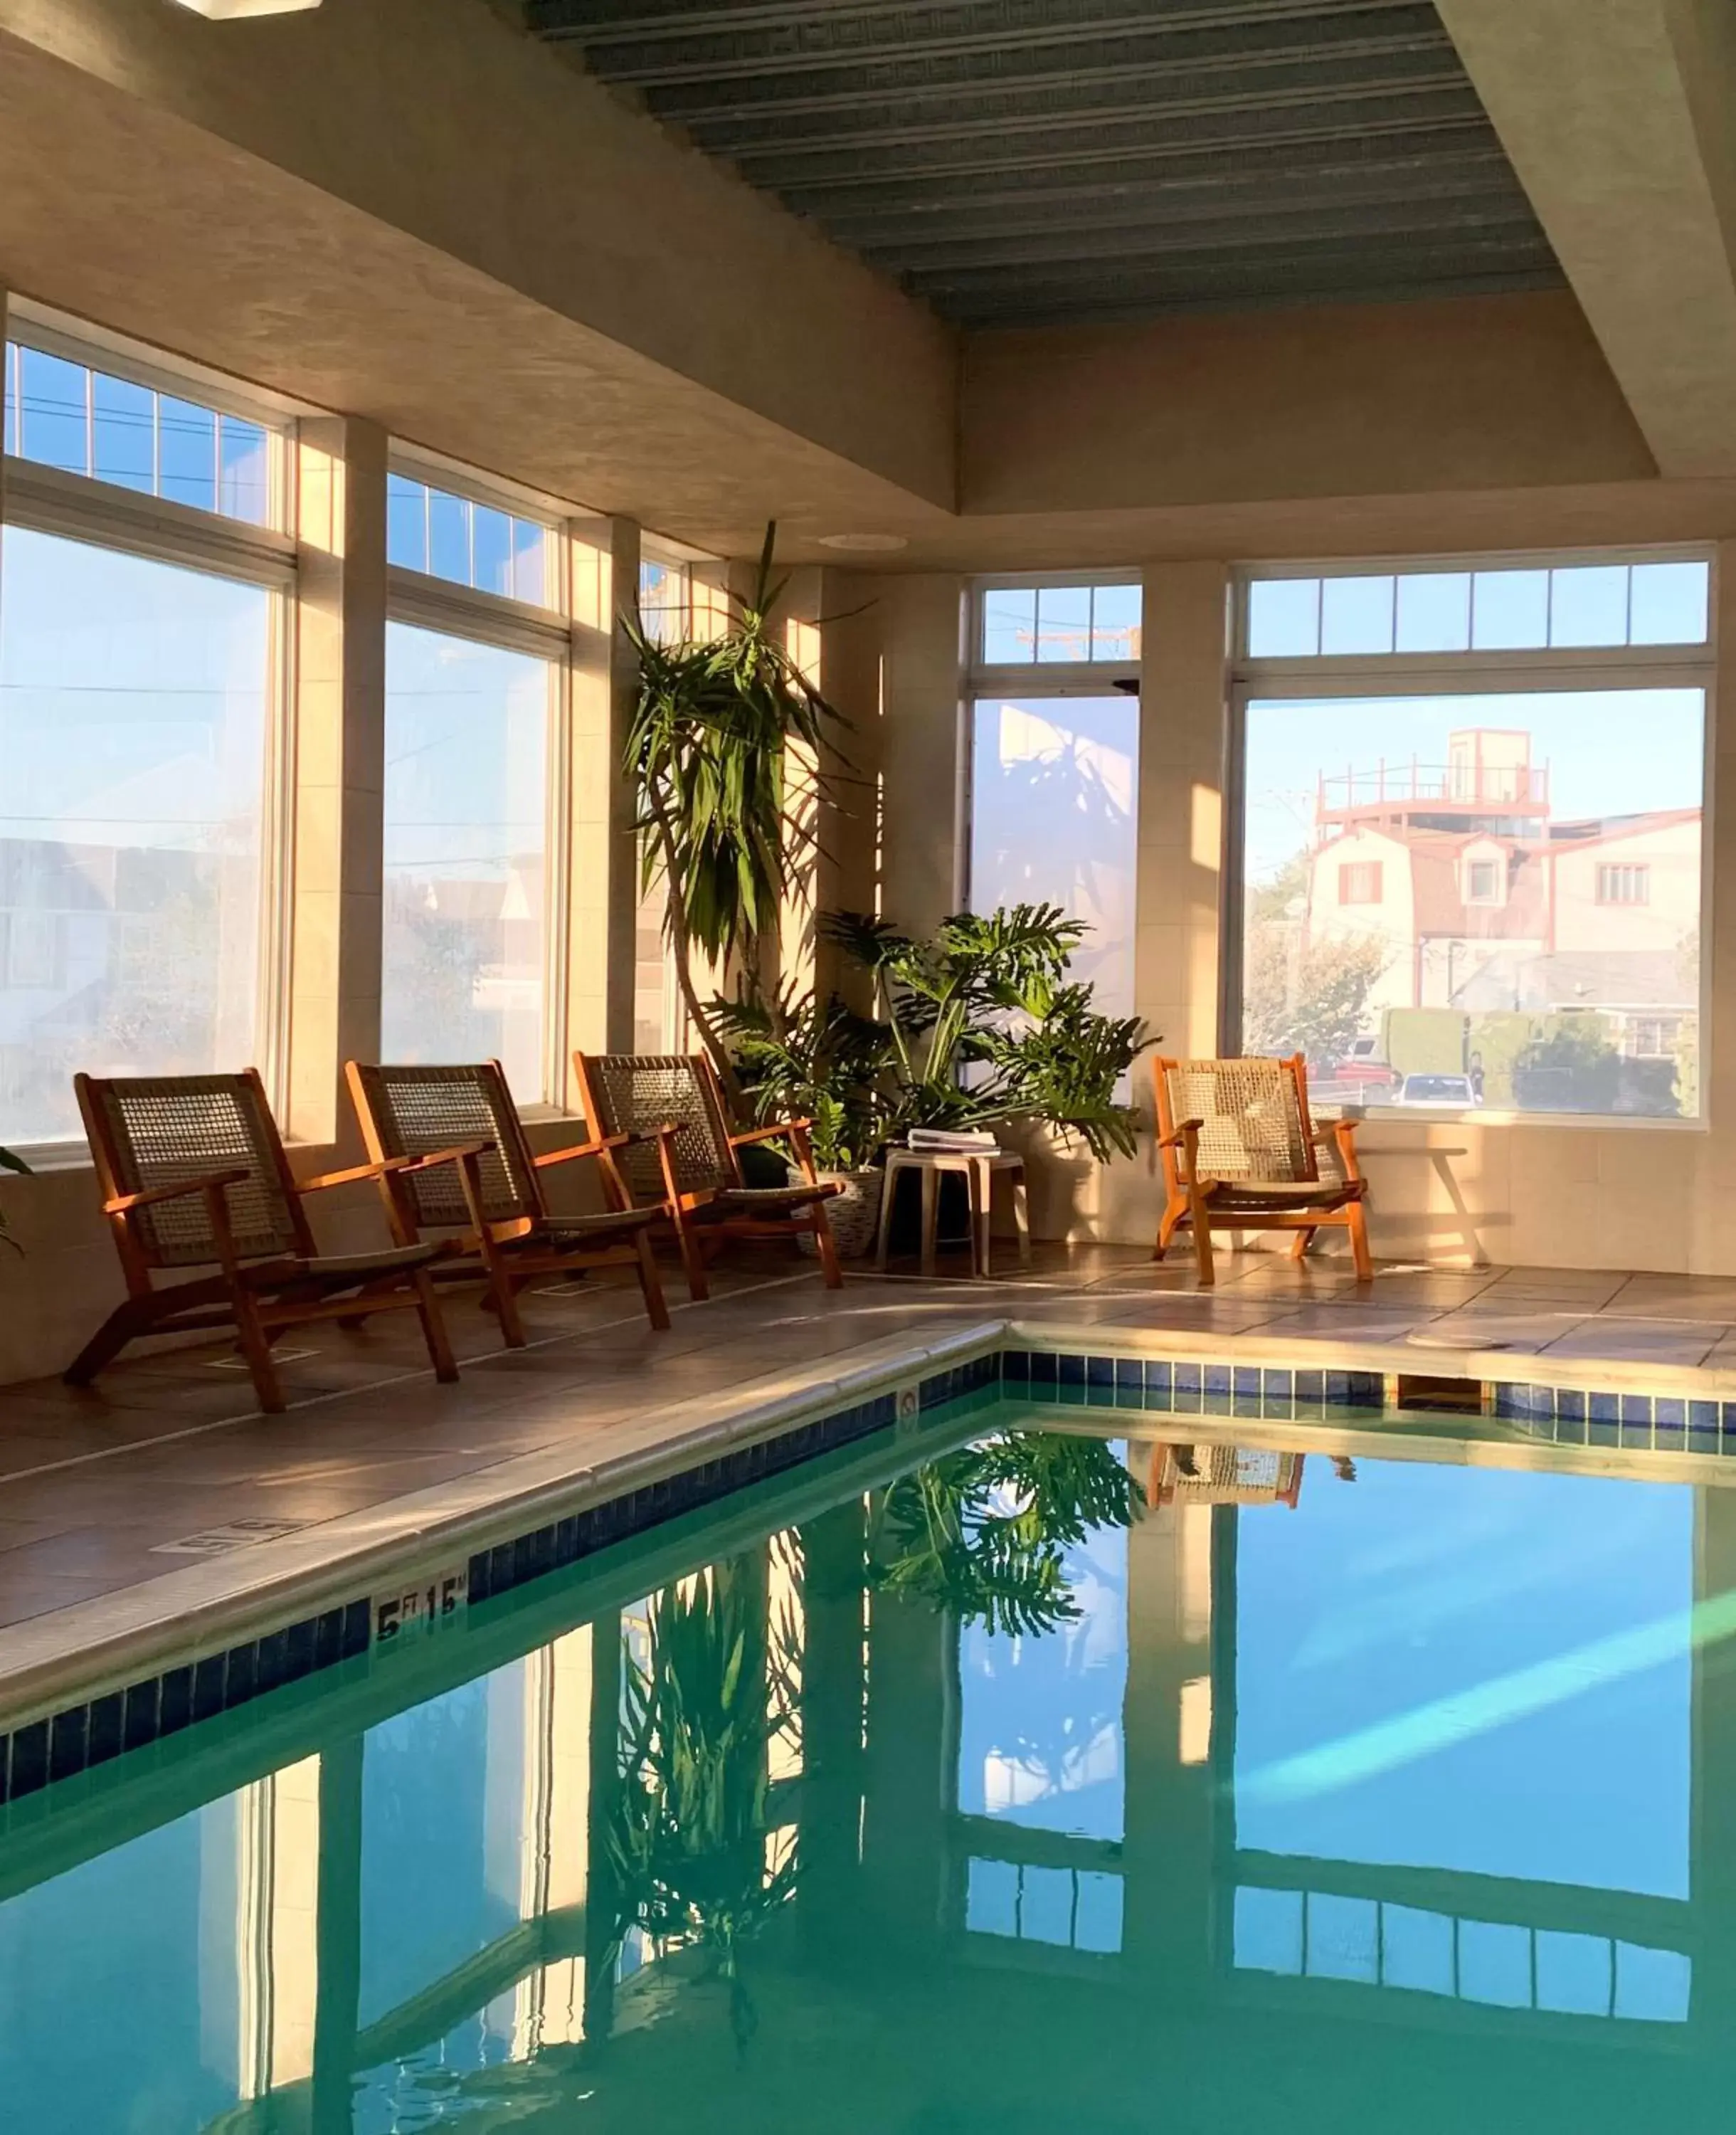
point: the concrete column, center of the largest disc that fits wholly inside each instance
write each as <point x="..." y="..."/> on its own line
<point x="602" y="871"/>
<point x="908" y="1787"/>
<point x="1182" y="733"/>
<point x="851" y="608"/>
<point x="339" y="765"/>
<point x="1177" y="904"/>
<point x="923" y="752"/>
<point x="339" y="1978"/>
<point x="834" y="1559"/>
<point x="1169" y="1733"/>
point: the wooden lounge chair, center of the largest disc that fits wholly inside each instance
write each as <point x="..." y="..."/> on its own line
<point x="671" y="1148"/>
<point x="492" y="1195"/>
<point x="193" y="1174"/>
<point x="1240" y="1153"/>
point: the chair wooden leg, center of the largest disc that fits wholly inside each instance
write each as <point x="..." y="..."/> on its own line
<point x="433" y="1328"/>
<point x="1357" y="1226"/>
<point x="827" y="1249"/>
<point x="692" y="1259"/>
<point x="256" y="1347"/>
<point x="134" y="1318"/>
<point x="506" y="1300"/>
<point x="656" y="1309"/>
<point x="1172" y="1215"/>
<point x="1300" y="1249"/>
<point x="1202" y="1213"/>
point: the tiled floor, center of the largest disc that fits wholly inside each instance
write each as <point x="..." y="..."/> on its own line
<point x="93" y="1483"/>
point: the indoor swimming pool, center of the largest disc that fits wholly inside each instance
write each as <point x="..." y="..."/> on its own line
<point x="1030" y="1768"/>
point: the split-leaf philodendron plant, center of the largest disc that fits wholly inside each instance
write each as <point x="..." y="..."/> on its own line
<point x="975" y="1027"/>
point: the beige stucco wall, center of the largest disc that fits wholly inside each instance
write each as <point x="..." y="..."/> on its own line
<point x="1345" y="401"/>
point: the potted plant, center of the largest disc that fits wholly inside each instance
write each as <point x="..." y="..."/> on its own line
<point x="978" y="1026"/>
<point x="720" y="754"/>
<point x="983" y="1027"/>
<point x="797" y="1057"/>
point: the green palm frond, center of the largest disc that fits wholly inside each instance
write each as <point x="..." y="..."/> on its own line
<point x="689" y="1836"/>
<point x="982" y="1533"/>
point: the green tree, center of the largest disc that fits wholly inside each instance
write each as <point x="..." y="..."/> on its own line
<point x="1310" y="998"/>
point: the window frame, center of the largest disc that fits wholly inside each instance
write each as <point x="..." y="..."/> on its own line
<point x="1564" y="658"/>
<point x="32" y="326"/>
<point x="421" y="601"/>
<point x="39" y="499"/>
<point x="1333" y="678"/>
<point x="1641" y="873"/>
<point x="1047" y="678"/>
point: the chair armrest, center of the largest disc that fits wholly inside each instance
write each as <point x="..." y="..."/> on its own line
<point x="124" y="1204"/>
<point x="389" y="1166"/>
<point x="776" y="1132"/>
<point x="1184" y="1136"/>
<point x="583" y="1149"/>
<point x="1342" y="1136"/>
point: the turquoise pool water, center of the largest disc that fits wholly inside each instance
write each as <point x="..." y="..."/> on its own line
<point x="1056" y="1781"/>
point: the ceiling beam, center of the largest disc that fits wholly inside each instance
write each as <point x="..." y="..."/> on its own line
<point x="1620" y="118"/>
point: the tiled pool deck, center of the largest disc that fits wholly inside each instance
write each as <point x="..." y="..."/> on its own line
<point x="96" y="1487"/>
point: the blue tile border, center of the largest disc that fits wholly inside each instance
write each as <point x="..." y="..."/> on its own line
<point x="1667" y="1423"/>
<point x="82" y="1736"/>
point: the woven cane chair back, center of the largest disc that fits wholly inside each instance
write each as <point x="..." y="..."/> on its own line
<point x="155" y="1130"/>
<point x="1252" y="1127"/>
<point x="415" y="1111"/>
<point x="638" y="1092"/>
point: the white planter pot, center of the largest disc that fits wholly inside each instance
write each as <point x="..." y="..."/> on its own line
<point x="854" y="1214"/>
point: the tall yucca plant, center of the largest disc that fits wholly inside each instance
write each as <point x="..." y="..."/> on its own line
<point x="724" y="738"/>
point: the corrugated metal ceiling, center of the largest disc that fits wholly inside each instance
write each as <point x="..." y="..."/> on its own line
<point x="1021" y="161"/>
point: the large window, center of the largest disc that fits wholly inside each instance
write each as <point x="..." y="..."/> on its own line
<point x="141" y="673"/>
<point x="1471" y="834"/>
<point x="1054" y="776"/>
<point x="477" y="678"/>
<point x="466" y="804"/>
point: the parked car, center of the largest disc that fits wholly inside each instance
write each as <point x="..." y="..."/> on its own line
<point x="1449" y="1092"/>
<point x="1362" y="1074"/>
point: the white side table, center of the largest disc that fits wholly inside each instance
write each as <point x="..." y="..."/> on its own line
<point x="980" y="1174"/>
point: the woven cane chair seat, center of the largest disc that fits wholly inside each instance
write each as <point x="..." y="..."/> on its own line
<point x="333" y="1269"/>
<point x="638" y="1093"/>
<point x="560" y="1232"/>
<point x="1251" y="1127"/>
<point x="419" y="1111"/>
<point x="772" y="1200"/>
<point x="163" y="1130"/>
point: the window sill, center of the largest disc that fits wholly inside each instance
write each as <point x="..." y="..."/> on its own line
<point x="1420" y="1116"/>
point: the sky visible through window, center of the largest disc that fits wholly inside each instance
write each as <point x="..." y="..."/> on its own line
<point x="84" y="421"/>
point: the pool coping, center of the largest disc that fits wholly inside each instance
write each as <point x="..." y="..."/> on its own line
<point x="94" y="1649"/>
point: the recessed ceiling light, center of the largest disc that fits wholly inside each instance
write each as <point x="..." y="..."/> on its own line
<point x="229" y="10"/>
<point x="864" y="544"/>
